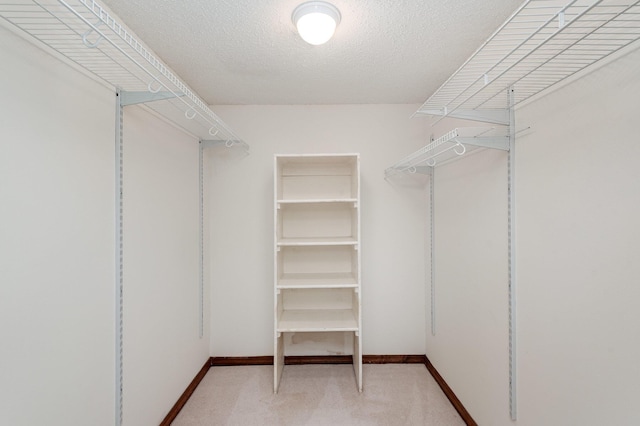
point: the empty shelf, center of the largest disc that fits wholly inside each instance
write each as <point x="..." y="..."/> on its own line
<point x="319" y="201"/>
<point x="89" y="37"/>
<point x="317" y="280"/>
<point x="541" y="44"/>
<point x="319" y="241"/>
<point x="452" y="145"/>
<point x="317" y="320"/>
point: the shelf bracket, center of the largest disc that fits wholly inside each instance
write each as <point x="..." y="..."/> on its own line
<point x="227" y="143"/>
<point x="501" y="143"/>
<point x="134" y="98"/>
<point x="494" y="116"/>
<point x="425" y="170"/>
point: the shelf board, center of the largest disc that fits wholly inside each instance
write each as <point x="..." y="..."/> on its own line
<point x="317" y="320"/>
<point x="318" y="241"/>
<point x="305" y="159"/>
<point x="319" y="201"/>
<point x="317" y="280"/>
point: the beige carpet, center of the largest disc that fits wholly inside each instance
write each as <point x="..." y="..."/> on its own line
<point x="394" y="394"/>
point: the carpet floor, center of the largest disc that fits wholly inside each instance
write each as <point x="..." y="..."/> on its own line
<point x="393" y="394"/>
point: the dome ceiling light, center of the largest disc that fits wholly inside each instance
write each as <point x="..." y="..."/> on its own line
<point x="316" y="21"/>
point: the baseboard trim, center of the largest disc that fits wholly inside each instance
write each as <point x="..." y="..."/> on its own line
<point x="317" y="359"/>
<point x="393" y="359"/>
<point x="289" y="360"/>
<point x="173" y="413"/>
<point x="464" y="414"/>
<point x="230" y="361"/>
<point x="330" y="359"/>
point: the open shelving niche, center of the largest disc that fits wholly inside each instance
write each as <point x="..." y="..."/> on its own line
<point x="89" y="38"/>
<point x="545" y="42"/>
<point x="316" y="251"/>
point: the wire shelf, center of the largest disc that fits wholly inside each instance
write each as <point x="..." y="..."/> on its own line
<point x="541" y="44"/>
<point x="86" y="34"/>
<point x="450" y="146"/>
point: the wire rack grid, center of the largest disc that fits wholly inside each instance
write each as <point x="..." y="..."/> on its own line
<point x="87" y="35"/>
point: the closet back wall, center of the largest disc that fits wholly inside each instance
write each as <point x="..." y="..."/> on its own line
<point x="241" y="234"/>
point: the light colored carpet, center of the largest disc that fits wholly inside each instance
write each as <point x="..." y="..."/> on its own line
<point x="394" y="394"/>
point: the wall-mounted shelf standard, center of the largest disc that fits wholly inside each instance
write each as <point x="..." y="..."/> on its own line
<point x="317" y="251"/>
<point x="86" y="35"/>
<point x="451" y="145"/>
<point x="541" y="44"/>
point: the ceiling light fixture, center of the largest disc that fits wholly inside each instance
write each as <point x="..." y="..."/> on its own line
<point x="316" y="21"/>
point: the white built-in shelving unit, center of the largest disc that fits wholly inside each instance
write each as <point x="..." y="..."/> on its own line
<point x="545" y="42"/>
<point x="317" y="250"/>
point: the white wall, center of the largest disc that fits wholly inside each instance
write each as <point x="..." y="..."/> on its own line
<point x="577" y="198"/>
<point x="162" y="348"/>
<point x="471" y="280"/>
<point x="393" y="223"/>
<point x="578" y="238"/>
<point x="56" y="242"/>
<point x="57" y="250"/>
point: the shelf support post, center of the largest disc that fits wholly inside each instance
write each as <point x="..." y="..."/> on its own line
<point x="432" y="198"/>
<point x="201" y="260"/>
<point x="512" y="258"/>
<point x="119" y="255"/>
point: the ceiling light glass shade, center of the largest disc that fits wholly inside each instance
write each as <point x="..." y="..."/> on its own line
<point x="316" y="21"/>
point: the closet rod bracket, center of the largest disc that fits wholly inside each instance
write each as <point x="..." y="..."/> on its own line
<point x="485" y="115"/>
<point x="134" y="98"/>
<point x="501" y="143"/>
<point x="208" y="143"/>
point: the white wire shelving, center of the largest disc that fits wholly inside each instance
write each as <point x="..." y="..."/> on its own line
<point x="84" y="33"/>
<point x="450" y="146"/>
<point x="541" y="44"/>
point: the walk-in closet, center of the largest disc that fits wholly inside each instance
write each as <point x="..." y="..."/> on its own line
<point x="426" y="215"/>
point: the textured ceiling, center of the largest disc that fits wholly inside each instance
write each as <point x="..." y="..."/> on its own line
<point x="247" y="51"/>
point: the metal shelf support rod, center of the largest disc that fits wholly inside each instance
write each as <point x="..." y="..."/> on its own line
<point x="119" y="341"/>
<point x="511" y="205"/>
<point x="432" y="174"/>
